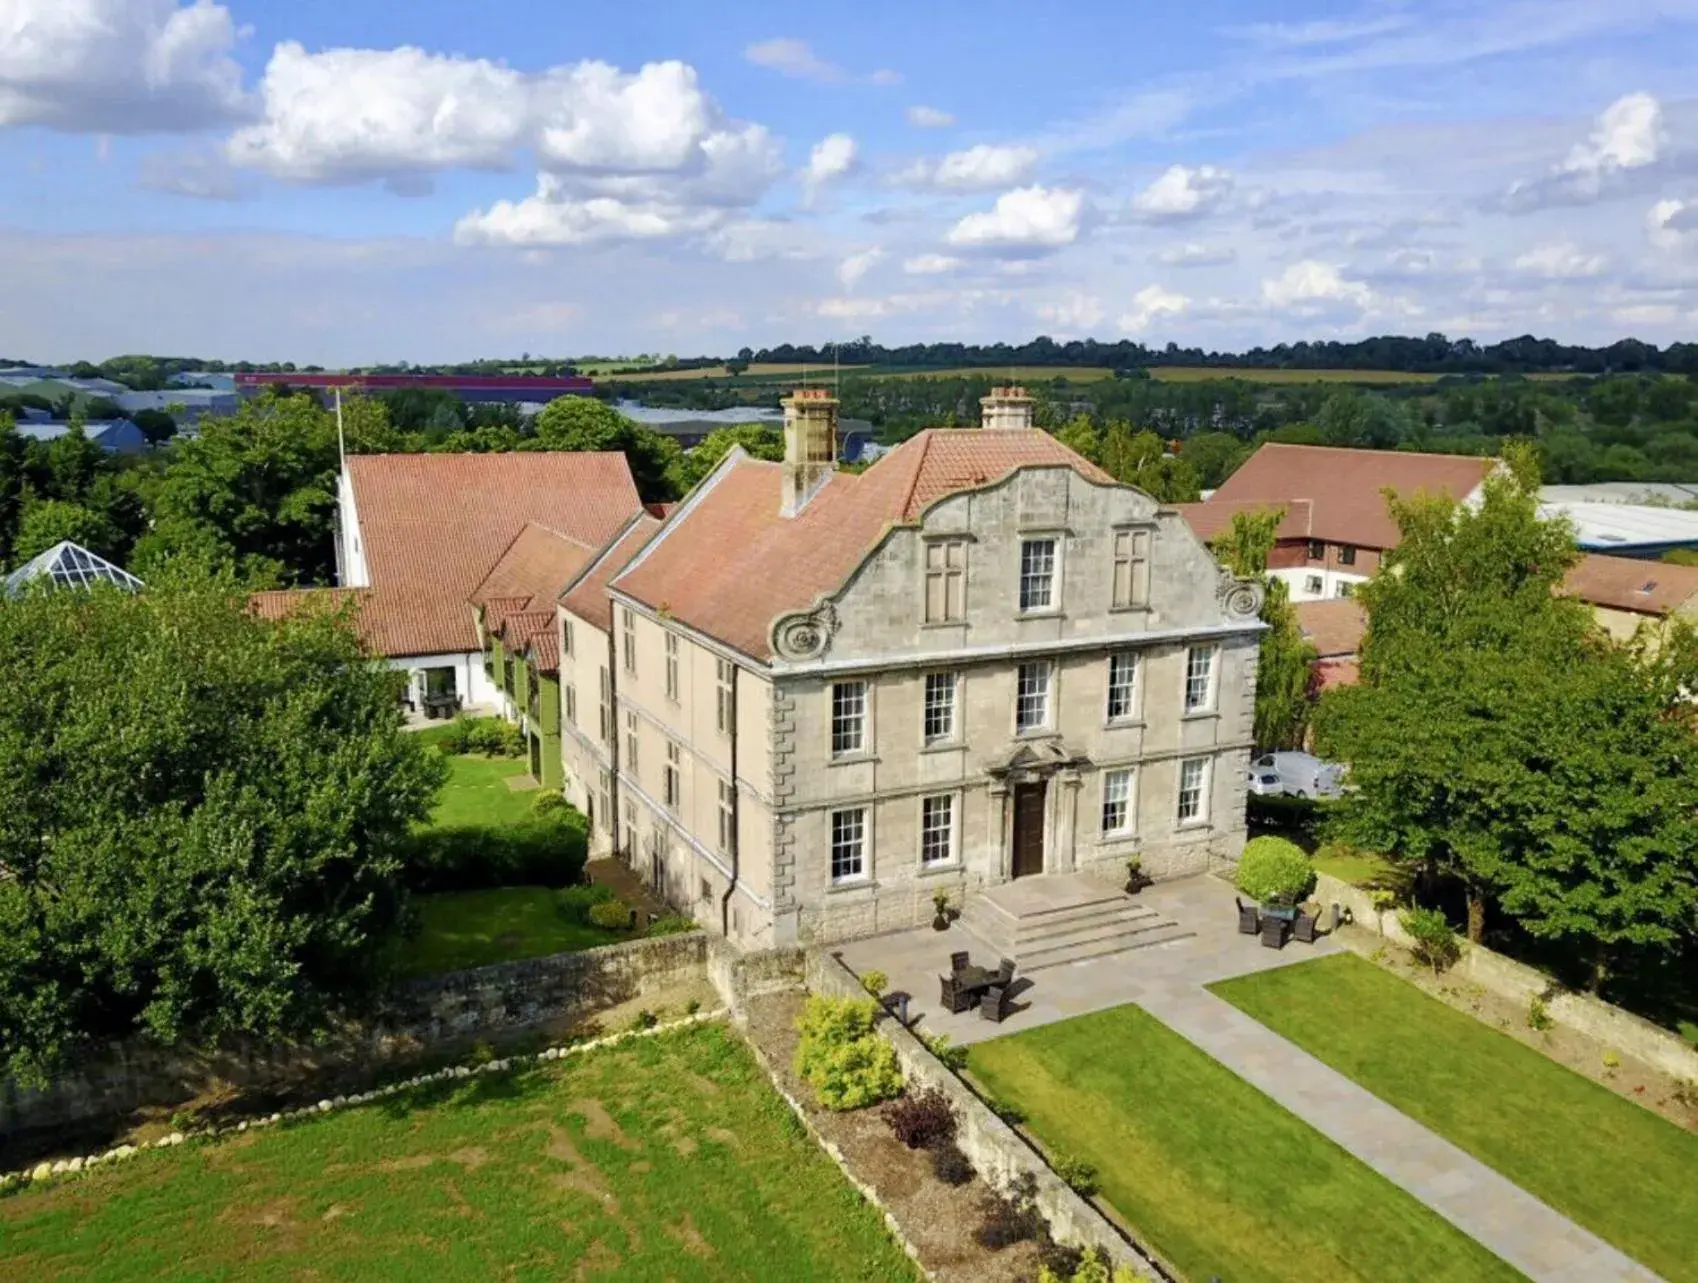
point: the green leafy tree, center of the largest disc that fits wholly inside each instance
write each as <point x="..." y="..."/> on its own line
<point x="203" y="820"/>
<point x="73" y="462"/>
<point x="12" y="460"/>
<point x="761" y="440"/>
<point x="259" y="487"/>
<point x="583" y="423"/>
<point x="1215" y="456"/>
<point x="46" y="522"/>
<point x="157" y="425"/>
<point x="1498" y="738"/>
<point x="1286" y="661"/>
<point x="1080" y="435"/>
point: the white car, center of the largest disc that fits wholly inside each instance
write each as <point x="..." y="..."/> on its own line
<point x="1300" y="774"/>
<point x="1265" y="784"/>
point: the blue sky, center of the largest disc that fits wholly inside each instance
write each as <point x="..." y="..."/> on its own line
<point x="354" y="182"/>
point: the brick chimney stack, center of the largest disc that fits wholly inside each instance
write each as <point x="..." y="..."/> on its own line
<point x="810" y="445"/>
<point x="1009" y="407"/>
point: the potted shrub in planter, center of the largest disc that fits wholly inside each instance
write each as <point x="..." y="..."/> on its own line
<point x="940" y="910"/>
<point x="1136" y="878"/>
<point x="1275" y="872"/>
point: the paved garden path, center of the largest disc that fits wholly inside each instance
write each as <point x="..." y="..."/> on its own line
<point x="1531" y="1236"/>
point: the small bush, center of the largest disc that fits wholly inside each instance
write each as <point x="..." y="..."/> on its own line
<point x="1539" y="1014"/>
<point x="1274" y="869"/>
<point x="922" y="1120"/>
<point x="1093" y="1267"/>
<point x="875" y="982"/>
<point x="671" y="924"/>
<point x="693" y="1006"/>
<point x="1009" y="1112"/>
<point x="1078" y="1174"/>
<point x="1010" y="1216"/>
<point x="574" y="903"/>
<point x="550" y="802"/>
<point x="953" y="1057"/>
<point x="487" y="735"/>
<point x="610" y="915"/>
<point x="1059" y="1261"/>
<point x="482" y="1053"/>
<point x="458" y="737"/>
<point x="950" y="1165"/>
<point x="840" y="1055"/>
<point x="1434" y="942"/>
<point x="644" y="1019"/>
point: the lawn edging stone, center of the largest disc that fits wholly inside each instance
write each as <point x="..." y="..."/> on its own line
<point x="78" y="1165"/>
<point x="997" y="1152"/>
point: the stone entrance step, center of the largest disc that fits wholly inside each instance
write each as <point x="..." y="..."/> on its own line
<point x="1061" y="919"/>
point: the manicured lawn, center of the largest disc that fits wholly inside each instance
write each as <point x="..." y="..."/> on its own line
<point x="1220" y="1179"/>
<point x="665" y="1158"/>
<point x="477" y="793"/>
<point x="1359" y="868"/>
<point x="474" y="928"/>
<point x="1618" y="1169"/>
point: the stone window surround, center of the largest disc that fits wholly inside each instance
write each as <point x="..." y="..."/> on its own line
<point x="1134" y="689"/>
<point x="1205" y="780"/>
<point x="850" y="838"/>
<point x="946" y="539"/>
<point x="952" y="737"/>
<point x="1211" y="690"/>
<point x="1029" y="539"/>
<point x="1045" y="725"/>
<point x="1128" y="827"/>
<point x="860" y="720"/>
<point x="953" y="858"/>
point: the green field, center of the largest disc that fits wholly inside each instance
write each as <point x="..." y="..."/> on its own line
<point x="1218" y="1178"/>
<point x="1612" y="1166"/>
<point x="662" y="1158"/>
<point x="460" y="929"/>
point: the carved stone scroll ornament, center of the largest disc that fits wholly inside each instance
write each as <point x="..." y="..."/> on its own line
<point x="1240" y="598"/>
<point x="805" y="634"/>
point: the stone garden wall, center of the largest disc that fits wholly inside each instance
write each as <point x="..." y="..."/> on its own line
<point x="419" y="1017"/>
<point x="1620" y="1030"/>
<point x="998" y="1153"/>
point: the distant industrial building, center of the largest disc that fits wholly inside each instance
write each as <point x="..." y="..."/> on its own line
<point x="1626" y="529"/>
<point x="689" y="428"/>
<point x="115" y="436"/>
<point x="487" y="388"/>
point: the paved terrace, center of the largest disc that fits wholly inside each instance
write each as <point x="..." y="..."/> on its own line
<point x="1167" y="980"/>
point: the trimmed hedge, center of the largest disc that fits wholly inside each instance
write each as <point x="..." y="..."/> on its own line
<point x="548" y="850"/>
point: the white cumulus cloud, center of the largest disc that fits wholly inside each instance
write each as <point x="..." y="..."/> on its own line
<point x="853" y="268"/>
<point x="1311" y="283"/>
<point x="930" y="264"/>
<point x="1671" y="222"/>
<point x="922" y="117"/>
<point x="1030" y="218"/>
<point x="834" y="156"/>
<point x="796" y="58"/>
<point x="1560" y="261"/>
<point x="1073" y="314"/>
<point x="1629" y="135"/>
<point x="981" y="168"/>
<point x="1148" y="305"/>
<point x="119" y="66"/>
<point x="1183" y="191"/>
<point x="1191" y="254"/>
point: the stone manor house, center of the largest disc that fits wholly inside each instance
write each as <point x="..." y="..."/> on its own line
<point x="804" y="700"/>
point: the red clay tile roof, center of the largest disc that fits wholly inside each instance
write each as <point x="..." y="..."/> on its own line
<point x="1344" y="486"/>
<point x="536" y="566"/>
<point x="727" y="563"/>
<point x="1209" y="519"/>
<point x="435" y="525"/>
<point x="1624" y="583"/>
<point x="517" y="631"/>
<point x="545" y="649"/>
<point x="386" y="622"/>
<point x="1334" y="626"/>
<point x="587" y="597"/>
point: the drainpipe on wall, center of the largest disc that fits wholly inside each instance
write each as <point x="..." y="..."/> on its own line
<point x="615" y="822"/>
<point x="736" y="817"/>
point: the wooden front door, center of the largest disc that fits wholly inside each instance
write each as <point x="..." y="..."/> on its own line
<point x="1028" y="829"/>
